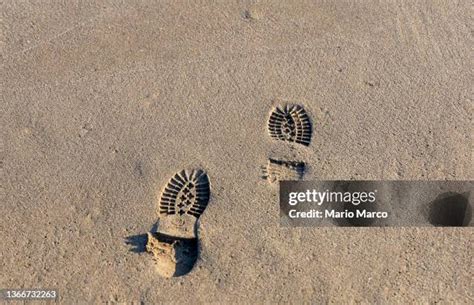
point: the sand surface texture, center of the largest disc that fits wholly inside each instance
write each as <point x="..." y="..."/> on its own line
<point x="103" y="102"/>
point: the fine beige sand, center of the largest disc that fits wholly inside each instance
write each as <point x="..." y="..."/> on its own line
<point x="102" y="102"/>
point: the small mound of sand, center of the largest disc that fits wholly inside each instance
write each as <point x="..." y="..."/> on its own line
<point x="173" y="256"/>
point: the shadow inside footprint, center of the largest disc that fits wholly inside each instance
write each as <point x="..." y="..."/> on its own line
<point x="174" y="256"/>
<point x="450" y="209"/>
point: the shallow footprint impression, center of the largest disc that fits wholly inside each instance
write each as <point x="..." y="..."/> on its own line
<point x="281" y="170"/>
<point x="175" y="245"/>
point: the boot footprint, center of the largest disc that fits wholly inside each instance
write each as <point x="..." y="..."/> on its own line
<point x="175" y="245"/>
<point x="290" y="123"/>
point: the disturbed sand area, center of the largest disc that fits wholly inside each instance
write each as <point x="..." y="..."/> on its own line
<point x="102" y="102"/>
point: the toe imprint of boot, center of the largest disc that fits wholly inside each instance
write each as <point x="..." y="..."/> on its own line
<point x="290" y="123"/>
<point x="186" y="193"/>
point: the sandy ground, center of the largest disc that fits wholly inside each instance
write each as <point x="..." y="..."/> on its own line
<point x="102" y="102"/>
